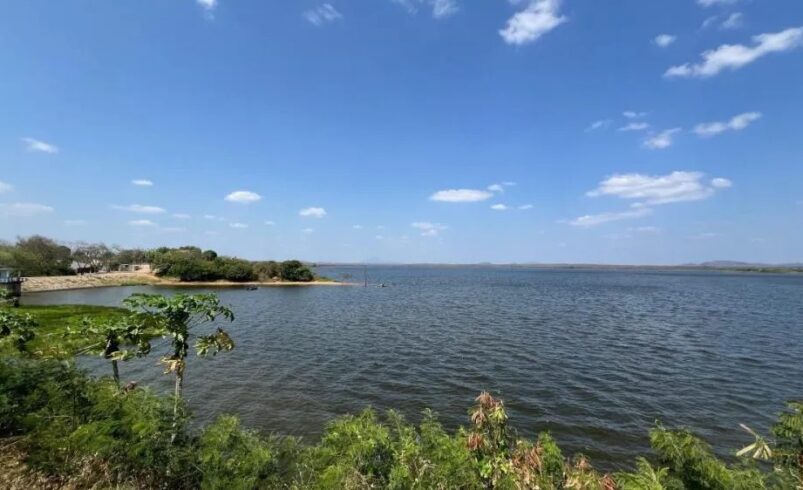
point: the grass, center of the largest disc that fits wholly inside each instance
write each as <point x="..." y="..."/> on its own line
<point x="55" y="320"/>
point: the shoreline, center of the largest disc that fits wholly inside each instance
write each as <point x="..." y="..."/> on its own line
<point x="120" y="279"/>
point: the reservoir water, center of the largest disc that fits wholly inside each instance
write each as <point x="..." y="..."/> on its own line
<point x="595" y="357"/>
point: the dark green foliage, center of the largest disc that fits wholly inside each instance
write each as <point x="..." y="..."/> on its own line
<point x="37" y="256"/>
<point x="18" y="328"/>
<point x="296" y="271"/>
<point x="267" y="271"/>
<point x="232" y="457"/>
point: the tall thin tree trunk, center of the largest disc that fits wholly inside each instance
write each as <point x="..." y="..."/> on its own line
<point x="176" y="400"/>
<point x="116" y="372"/>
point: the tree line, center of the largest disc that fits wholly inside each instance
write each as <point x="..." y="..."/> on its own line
<point x="41" y="256"/>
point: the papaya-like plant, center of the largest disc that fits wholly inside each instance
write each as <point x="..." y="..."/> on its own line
<point x="177" y="316"/>
<point x="18" y="328"/>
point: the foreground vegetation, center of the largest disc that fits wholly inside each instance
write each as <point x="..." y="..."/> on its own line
<point x="61" y="427"/>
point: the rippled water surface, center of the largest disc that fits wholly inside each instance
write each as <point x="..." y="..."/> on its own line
<point x="593" y="356"/>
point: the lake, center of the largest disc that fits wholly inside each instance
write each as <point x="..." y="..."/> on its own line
<point x="595" y="357"/>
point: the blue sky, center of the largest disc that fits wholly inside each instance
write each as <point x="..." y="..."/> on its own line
<point x="609" y="131"/>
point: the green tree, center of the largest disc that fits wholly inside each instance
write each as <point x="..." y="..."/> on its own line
<point x="294" y="270"/>
<point x="41" y="256"/>
<point x="177" y="317"/>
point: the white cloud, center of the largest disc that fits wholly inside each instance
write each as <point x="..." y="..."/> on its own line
<point x="440" y="8"/>
<point x="537" y="19"/>
<point x="357" y="227"/>
<point x="733" y="21"/>
<point x="322" y="14"/>
<point x="33" y="144"/>
<point x="379" y="237"/>
<point x="598" y="219"/>
<point x="142" y="222"/>
<point x="721" y="183"/>
<point x="709" y="3"/>
<point x="526" y="207"/>
<point x="210" y="233"/>
<point x="173" y="229"/>
<point x="308" y="230"/>
<point x="735" y="56"/>
<point x="429" y="229"/>
<point x="656" y="190"/>
<point x="635" y="126"/>
<point x="75" y="222"/>
<point x="736" y="123"/>
<point x="496" y="188"/>
<point x="181" y="216"/>
<point x="499" y="207"/>
<point x="139" y="208"/>
<point x="209" y="7"/>
<point x="646" y="229"/>
<point x="662" y="140"/>
<point x="461" y="195"/>
<point x="601" y="124"/>
<point x="24" y="209"/>
<point x="142" y="182"/>
<point x="5" y="187"/>
<point x="243" y="197"/>
<point x="634" y="114"/>
<point x="312" y="212"/>
<point x="238" y="225"/>
<point x="270" y="223"/>
<point x="664" y="40"/>
<point x="704" y="236"/>
<point x="508" y="184"/>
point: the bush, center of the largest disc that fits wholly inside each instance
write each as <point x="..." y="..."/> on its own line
<point x="231" y="457"/>
<point x="294" y="270"/>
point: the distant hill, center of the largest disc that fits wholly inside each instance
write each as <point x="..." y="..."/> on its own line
<point x="730" y="264"/>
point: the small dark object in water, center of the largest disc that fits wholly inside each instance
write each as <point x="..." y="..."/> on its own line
<point x="251" y="288"/>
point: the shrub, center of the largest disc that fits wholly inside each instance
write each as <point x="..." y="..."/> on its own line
<point x="294" y="270"/>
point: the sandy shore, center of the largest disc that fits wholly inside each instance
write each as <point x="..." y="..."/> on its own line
<point x="61" y="283"/>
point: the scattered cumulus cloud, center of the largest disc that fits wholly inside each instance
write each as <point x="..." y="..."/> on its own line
<point x="312" y="212"/>
<point x="23" y="209"/>
<point x="496" y="188"/>
<point x="308" y="230"/>
<point x="704" y="236"/>
<point x="601" y="124"/>
<point x="710" y="3"/>
<point x="664" y="40"/>
<point x="142" y="182"/>
<point x="538" y="18"/>
<point x="634" y="114"/>
<point x="461" y="195"/>
<point x="429" y="229"/>
<point x="238" y="225"/>
<point x="662" y="140"/>
<point x="440" y="8"/>
<point x="75" y="222"/>
<point x="140" y="208"/>
<point x="646" y="229"/>
<point x="733" y="21"/>
<point x="33" y="144"/>
<point x="5" y="187"/>
<point x="499" y="207"/>
<point x="212" y="217"/>
<point x="141" y="223"/>
<point x="243" y="197"/>
<point x="635" y="126"/>
<point x="721" y="183"/>
<point x="181" y="216"/>
<point x="525" y="207"/>
<point x="322" y="14"/>
<point x="735" y="56"/>
<point x="208" y="7"/>
<point x="736" y="123"/>
<point x="590" y="220"/>
<point x="173" y="229"/>
<point x="650" y="190"/>
<point x="357" y="227"/>
<point x="270" y="223"/>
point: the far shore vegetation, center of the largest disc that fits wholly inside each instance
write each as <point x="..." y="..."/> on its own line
<point x="39" y="256"/>
<point x="62" y="428"/>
